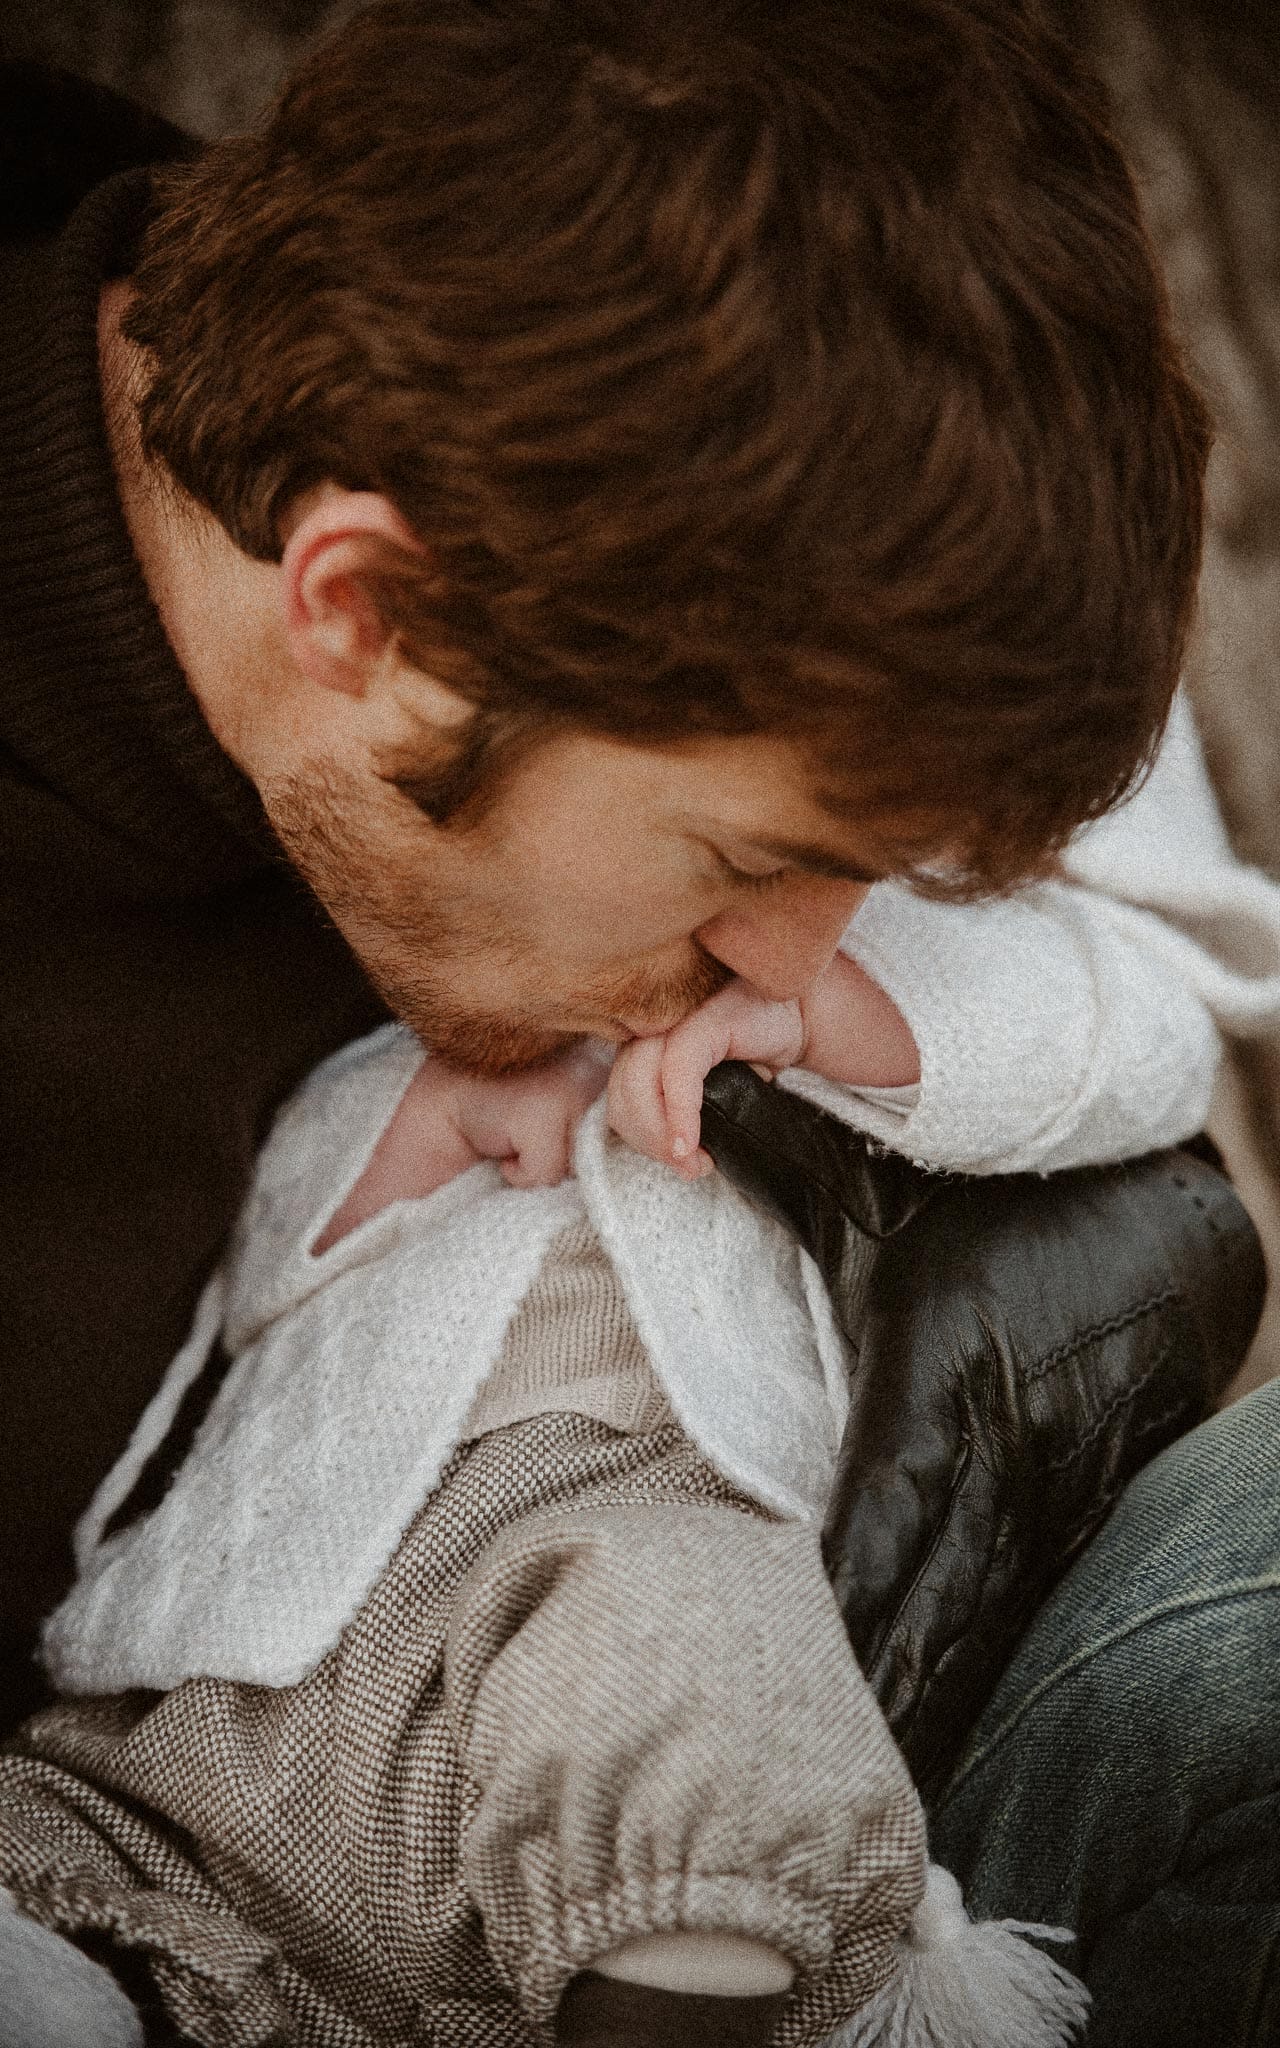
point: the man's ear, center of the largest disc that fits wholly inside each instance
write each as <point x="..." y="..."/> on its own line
<point x="335" y="634"/>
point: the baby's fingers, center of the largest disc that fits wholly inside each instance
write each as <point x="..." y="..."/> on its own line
<point x="636" y="1108"/>
<point x="539" y="1152"/>
<point x="688" y="1058"/>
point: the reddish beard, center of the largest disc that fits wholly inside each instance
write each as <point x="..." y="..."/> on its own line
<point x="492" y="1044"/>
<point x="407" y="946"/>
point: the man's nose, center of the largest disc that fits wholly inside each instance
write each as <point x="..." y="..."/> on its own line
<point x="781" y="941"/>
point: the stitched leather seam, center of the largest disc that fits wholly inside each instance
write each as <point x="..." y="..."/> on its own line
<point x="1123" y="1398"/>
<point x="1063" y="1353"/>
<point x="1100" y="1507"/>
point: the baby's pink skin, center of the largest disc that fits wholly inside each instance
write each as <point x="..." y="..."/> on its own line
<point x="844" y="1026"/>
<point x="447" y="1122"/>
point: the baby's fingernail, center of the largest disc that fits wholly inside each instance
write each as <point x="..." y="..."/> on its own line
<point x="680" y="1148"/>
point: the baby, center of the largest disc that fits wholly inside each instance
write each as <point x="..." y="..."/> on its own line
<point x="474" y="1678"/>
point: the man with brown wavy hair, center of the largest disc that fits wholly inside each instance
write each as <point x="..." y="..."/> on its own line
<point x="610" y="483"/>
<point x="578" y="452"/>
<point x="649" y="375"/>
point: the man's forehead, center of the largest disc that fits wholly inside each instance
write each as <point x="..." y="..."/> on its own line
<point x="757" y="793"/>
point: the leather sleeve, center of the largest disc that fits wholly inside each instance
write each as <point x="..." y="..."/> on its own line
<point x="1019" y="1347"/>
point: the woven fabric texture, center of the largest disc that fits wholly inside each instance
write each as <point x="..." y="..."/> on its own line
<point x="573" y="1345"/>
<point x="459" y="1809"/>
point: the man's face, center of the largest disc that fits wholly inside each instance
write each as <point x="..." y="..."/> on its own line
<point x="596" y="895"/>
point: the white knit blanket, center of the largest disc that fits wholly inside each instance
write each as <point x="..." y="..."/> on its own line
<point x="354" y="1373"/>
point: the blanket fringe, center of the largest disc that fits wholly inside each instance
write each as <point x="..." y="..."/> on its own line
<point x="970" y="1984"/>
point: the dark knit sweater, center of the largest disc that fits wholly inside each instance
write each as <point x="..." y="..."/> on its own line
<point x="164" y="978"/>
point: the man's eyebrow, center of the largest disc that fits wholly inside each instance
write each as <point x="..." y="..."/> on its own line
<point x="815" y="860"/>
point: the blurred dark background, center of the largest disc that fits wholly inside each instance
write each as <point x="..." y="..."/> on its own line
<point x="1196" y="85"/>
<point x="208" y="64"/>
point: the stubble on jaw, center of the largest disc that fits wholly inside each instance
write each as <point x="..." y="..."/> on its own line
<point x="408" y="943"/>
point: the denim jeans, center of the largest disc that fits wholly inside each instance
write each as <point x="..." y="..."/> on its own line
<point x="52" y="1996"/>
<point x="1125" y="1778"/>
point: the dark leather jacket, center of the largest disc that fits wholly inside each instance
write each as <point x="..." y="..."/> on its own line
<point x="1018" y="1347"/>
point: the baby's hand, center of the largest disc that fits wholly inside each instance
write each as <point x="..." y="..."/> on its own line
<point x="448" y="1121"/>
<point x="844" y="1026"/>
<point x="527" y="1121"/>
<point x="655" y="1089"/>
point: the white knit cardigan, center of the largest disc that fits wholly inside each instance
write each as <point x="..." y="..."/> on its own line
<point x="355" y="1370"/>
<point x="1075" y="1022"/>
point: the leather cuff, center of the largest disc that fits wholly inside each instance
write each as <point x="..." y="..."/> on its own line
<point x="606" y="2012"/>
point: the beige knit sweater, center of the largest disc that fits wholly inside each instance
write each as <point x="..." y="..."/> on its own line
<point x="573" y="1345"/>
